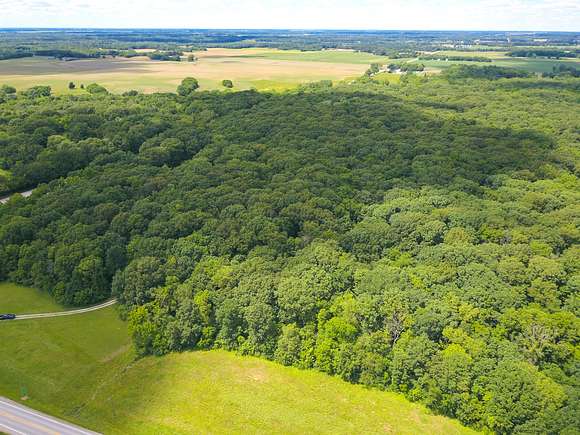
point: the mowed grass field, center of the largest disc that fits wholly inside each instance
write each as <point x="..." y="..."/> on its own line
<point x="82" y="368"/>
<point x="264" y="69"/>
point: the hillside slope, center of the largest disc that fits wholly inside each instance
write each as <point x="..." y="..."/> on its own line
<point x="82" y="368"/>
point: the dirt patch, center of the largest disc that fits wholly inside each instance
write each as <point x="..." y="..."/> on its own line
<point x="257" y="375"/>
<point x="115" y="354"/>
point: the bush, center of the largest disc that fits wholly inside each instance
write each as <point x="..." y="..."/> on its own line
<point x="95" y="88"/>
<point x="38" y="91"/>
<point x="188" y="86"/>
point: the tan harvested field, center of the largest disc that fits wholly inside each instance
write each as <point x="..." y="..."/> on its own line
<point x="247" y="68"/>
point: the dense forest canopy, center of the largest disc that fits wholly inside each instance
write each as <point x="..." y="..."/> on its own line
<point x="420" y="237"/>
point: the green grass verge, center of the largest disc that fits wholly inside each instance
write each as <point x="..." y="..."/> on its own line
<point x="57" y="362"/>
<point x="82" y="368"/>
<point x="24" y="300"/>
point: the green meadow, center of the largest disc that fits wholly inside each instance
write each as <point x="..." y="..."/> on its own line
<point x="25" y="300"/>
<point x="331" y="56"/>
<point x="82" y="368"/>
<point x="534" y="65"/>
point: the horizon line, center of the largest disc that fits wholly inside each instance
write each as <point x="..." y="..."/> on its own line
<point x="330" y="29"/>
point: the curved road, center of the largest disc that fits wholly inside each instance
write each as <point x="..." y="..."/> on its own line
<point x="16" y="419"/>
<point x="65" y="313"/>
<point x="26" y="194"/>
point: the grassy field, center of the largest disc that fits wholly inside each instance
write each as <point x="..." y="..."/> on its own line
<point x="535" y="65"/>
<point x="82" y="368"/>
<point x="219" y="392"/>
<point x="385" y="77"/>
<point x="247" y="68"/>
<point x="24" y="300"/>
<point x="57" y="362"/>
<point x="498" y="59"/>
<point x="330" y="56"/>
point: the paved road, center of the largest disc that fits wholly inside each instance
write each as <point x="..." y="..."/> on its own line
<point x="64" y="313"/>
<point x="5" y="199"/>
<point x="16" y="419"/>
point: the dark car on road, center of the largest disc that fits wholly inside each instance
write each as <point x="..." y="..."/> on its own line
<point x="7" y="316"/>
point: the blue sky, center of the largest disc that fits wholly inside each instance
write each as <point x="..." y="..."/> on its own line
<point x="563" y="15"/>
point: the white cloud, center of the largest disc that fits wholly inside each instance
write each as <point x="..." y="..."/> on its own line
<point x="563" y="15"/>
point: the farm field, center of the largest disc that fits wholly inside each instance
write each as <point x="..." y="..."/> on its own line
<point x="82" y="368"/>
<point x="332" y="56"/>
<point x="534" y="65"/>
<point x="260" y="68"/>
<point x="247" y="68"/>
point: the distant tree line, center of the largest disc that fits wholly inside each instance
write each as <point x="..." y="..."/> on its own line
<point x="405" y="67"/>
<point x="173" y="56"/>
<point x="486" y="72"/>
<point x="563" y="71"/>
<point x="455" y="58"/>
<point x="541" y="52"/>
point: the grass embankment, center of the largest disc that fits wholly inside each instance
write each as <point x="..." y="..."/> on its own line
<point x="82" y="368"/>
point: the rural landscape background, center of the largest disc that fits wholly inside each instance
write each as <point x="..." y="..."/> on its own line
<point x="299" y="231"/>
<point x="281" y="61"/>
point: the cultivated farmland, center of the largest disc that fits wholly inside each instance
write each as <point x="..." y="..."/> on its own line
<point x="247" y="68"/>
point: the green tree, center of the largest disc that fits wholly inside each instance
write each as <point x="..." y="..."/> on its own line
<point x="188" y="86"/>
<point x="289" y="345"/>
<point x="94" y="88"/>
<point x="411" y="356"/>
<point x="518" y="393"/>
<point x="6" y="89"/>
<point x="135" y="284"/>
<point x="38" y="91"/>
